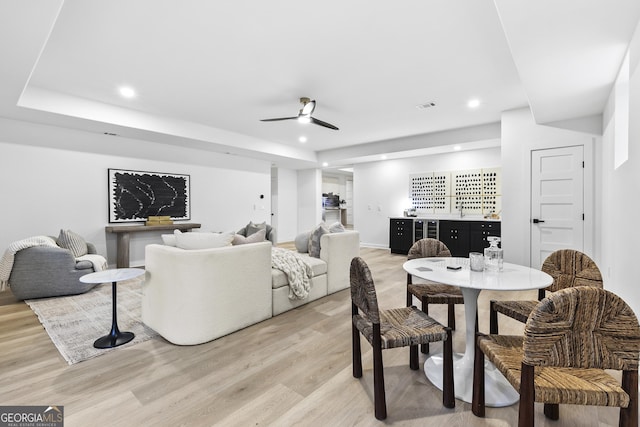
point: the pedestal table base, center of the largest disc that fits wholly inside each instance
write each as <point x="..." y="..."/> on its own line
<point x="498" y="391"/>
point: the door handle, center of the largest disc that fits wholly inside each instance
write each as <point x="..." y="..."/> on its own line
<point x="536" y="220"/>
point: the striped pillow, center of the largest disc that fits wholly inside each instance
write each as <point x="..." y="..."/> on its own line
<point x="72" y="241"/>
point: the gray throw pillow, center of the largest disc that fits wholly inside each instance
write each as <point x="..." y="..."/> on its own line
<point x="256" y="237"/>
<point x="314" y="240"/>
<point x="72" y="241"/>
<point x="254" y="228"/>
<point x="302" y="242"/>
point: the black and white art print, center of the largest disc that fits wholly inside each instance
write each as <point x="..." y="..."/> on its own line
<point x="136" y="195"/>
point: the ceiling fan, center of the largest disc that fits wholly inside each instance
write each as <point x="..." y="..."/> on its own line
<point x="304" y="116"/>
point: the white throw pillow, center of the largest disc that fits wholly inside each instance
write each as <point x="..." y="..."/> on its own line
<point x="169" y="239"/>
<point x="336" y="227"/>
<point x="199" y="240"/>
<point x="259" y="236"/>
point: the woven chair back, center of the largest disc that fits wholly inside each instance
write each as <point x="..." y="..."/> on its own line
<point x="582" y="327"/>
<point x="427" y="247"/>
<point x="363" y="291"/>
<point x="571" y="268"/>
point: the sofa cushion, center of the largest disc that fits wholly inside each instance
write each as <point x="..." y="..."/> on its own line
<point x="197" y="240"/>
<point x="279" y="279"/>
<point x="72" y="241"/>
<point x="302" y="242"/>
<point x="259" y="236"/>
<point x="314" y="240"/>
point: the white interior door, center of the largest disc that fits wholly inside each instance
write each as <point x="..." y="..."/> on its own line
<point x="557" y="201"/>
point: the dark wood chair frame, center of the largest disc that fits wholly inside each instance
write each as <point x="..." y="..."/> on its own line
<point x="448" y="399"/>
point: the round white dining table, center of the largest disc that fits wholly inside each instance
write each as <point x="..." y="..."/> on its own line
<point x="513" y="277"/>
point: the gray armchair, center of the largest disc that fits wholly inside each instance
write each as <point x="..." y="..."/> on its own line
<point x="44" y="271"/>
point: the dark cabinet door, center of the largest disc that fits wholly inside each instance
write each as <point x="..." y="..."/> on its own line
<point x="400" y="235"/>
<point x="478" y="233"/>
<point x="455" y="234"/>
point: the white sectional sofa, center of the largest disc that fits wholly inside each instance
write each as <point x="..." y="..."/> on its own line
<point x="330" y="271"/>
<point x="194" y="296"/>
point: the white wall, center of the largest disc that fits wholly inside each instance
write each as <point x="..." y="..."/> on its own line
<point x="45" y="188"/>
<point x="621" y="194"/>
<point x="287" y="226"/>
<point x="381" y="189"/>
<point x="309" y="198"/>
<point x="520" y="135"/>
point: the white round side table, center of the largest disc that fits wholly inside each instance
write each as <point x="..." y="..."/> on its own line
<point x="115" y="337"/>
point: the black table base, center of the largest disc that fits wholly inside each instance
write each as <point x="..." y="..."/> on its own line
<point x="115" y="337"/>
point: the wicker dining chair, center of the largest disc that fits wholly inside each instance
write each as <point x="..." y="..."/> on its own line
<point x="570" y="338"/>
<point x="429" y="292"/>
<point x="384" y="329"/>
<point x="568" y="268"/>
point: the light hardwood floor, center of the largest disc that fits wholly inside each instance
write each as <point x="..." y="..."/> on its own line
<point x="291" y="370"/>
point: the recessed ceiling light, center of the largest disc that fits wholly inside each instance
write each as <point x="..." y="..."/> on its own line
<point x="457" y="147"/>
<point x="325" y="164"/>
<point x="302" y="139"/>
<point x="127" y="92"/>
<point x="473" y="103"/>
<point x="383" y="157"/>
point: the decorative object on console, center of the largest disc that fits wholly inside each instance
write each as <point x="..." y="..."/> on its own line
<point x="158" y="220"/>
<point x="136" y="195"/>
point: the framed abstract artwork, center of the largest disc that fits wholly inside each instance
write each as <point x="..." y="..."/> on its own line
<point x="136" y="195"/>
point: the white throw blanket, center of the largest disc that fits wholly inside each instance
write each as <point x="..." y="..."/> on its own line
<point x="6" y="263"/>
<point x="99" y="262"/>
<point x="298" y="272"/>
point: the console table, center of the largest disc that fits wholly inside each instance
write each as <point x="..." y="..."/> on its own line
<point x="123" y="234"/>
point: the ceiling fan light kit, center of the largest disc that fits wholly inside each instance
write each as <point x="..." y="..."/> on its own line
<point x="304" y="115"/>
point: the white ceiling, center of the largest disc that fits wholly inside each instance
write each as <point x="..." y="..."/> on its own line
<point x="206" y="72"/>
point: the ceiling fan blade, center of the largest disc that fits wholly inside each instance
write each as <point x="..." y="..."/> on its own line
<point x="278" y="119"/>
<point x="321" y="123"/>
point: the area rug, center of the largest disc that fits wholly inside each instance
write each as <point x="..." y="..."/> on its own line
<point x="75" y="322"/>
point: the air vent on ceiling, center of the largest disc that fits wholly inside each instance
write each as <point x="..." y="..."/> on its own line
<point x="425" y="105"/>
<point x="110" y="133"/>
